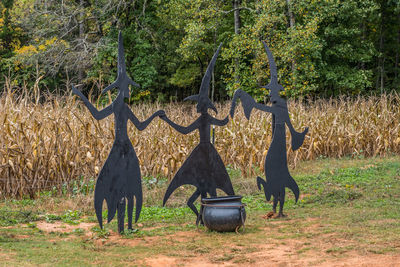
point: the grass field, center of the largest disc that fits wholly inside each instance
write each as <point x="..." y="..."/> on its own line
<point x="348" y="215"/>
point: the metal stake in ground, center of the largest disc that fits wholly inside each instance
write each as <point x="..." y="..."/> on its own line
<point x="204" y="168"/>
<point x="276" y="170"/>
<point x="119" y="179"/>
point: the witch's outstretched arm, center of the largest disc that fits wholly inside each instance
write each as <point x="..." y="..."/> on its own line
<point x="133" y="83"/>
<point x="248" y="104"/>
<point x="263" y="107"/>
<point x="297" y="138"/>
<point x="98" y="115"/>
<point x="234" y="102"/>
<point x="218" y="122"/>
<point x="179" y="128"/>
<point x="142" y="125"/>
<point x="111" y="86"/>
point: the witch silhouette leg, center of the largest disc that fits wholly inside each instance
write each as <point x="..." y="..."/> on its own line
<point x="98" y="205"/>
<point x="214" y="192"/>
<point x="138" y="201"/>
<point x="191" y="201"/>
<point x="130" y="211"/>
<point x="275" y="204"/>
<point x="281" y="203"/>
<point x="121" y="214"/>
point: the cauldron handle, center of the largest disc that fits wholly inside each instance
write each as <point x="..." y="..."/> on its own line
<point x="241" y="218"/>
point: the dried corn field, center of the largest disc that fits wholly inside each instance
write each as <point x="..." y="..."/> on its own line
<point x="46" y="145"/>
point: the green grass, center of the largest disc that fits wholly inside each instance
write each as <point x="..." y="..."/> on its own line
<point x="346" y="206"/>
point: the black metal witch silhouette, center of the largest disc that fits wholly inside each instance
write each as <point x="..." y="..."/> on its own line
<point x="119" y="179"/>
<point x="276" y="170"/>
<point x="204" y="168"/>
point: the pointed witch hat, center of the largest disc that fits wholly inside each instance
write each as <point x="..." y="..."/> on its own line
<point x="273" y="84"/>
<point x="202" y="97"/>
<point x="121" y="68"/>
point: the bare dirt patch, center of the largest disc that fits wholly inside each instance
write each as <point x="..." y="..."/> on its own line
<point x="285" y="255"/>
<point x="61" y="227"/>
<point x="116" y="239"/>
<point x="270" y="247"/>
<point x="162" y="261"/>
<point x="170" y="239"/>
<point x="322" y="249"/>
<point x="367" y="260"/>
<point x="21" y="236"/>
<point x="185" y="236"/>
<point x="5" y="257"/>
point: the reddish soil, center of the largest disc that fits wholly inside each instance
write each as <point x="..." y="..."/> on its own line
<point x="275" y="252"/>
<point x="6" y="256"/>
<point x="63" y="227"/>
<point x="162" y="261"/>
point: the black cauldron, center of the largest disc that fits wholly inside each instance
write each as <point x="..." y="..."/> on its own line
<point x="223" y="214"/>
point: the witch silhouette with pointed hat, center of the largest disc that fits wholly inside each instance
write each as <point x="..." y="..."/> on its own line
<point x="204" y="168"/>
<point x="119" y="179"/>
<point x="276" y="170"/>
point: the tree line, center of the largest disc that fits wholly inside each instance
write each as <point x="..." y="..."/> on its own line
<point x="323" y="48"/>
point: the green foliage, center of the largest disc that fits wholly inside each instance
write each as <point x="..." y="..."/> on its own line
<point x="52" y="218"/>
<point x="345" y="48"/>
<point x="83" y="186"/>
<point x="346" y="185"/>
<point x="326" y="48"/>
<point x="152" y="182"/>
<point x="101" y="233"/>
<point x="164" y="214"/>
<point x="78" y="231"/>
<point x="186" y="76"/>
<point x="71" y="216"/>
<point x="8" y="31"/>
<point x="12" y="217"/>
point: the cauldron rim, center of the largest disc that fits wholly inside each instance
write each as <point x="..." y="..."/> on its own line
<point x="221" y="198"/>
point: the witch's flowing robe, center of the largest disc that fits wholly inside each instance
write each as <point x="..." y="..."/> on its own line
<point x="204" y="167"/>
<point x="120" y="177"/>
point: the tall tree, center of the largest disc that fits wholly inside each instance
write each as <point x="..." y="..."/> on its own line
<point x="322" y="48"/>
<point x="388" y="45"/>
<point x="7" y="30"/>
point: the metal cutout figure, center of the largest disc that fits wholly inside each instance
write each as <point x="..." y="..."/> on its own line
<point x="276" y="170"/>
<point x="119" y="179"/>
<point x="204" y="168"/>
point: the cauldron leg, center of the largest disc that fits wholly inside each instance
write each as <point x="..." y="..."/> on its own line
<point x="121" y="214"/>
